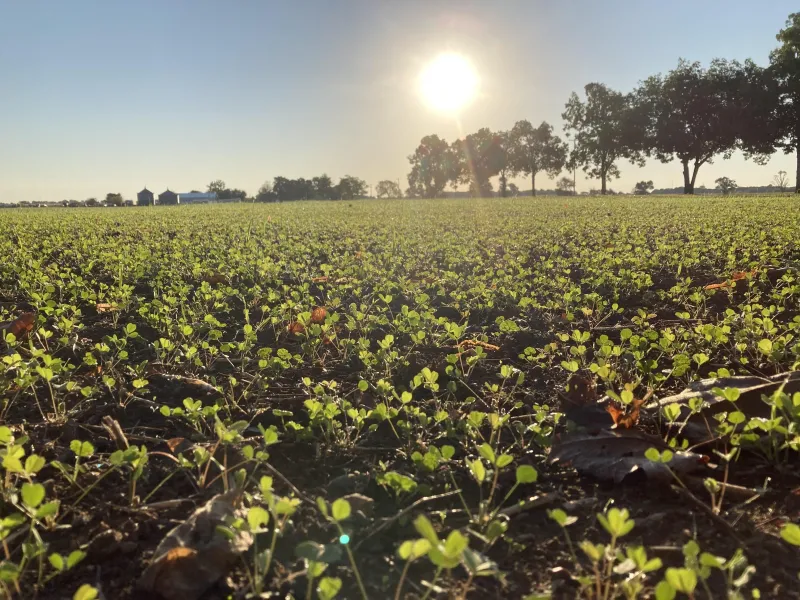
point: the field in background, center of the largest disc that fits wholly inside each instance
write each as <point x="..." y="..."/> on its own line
<point x="393" y="350"/>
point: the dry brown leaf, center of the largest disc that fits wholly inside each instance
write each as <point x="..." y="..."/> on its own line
<point x="467" y="344"/>
<point x="318" y="314"/>
<point x="617" y="454"/>
<point x="104" y="307"/>
<point x="21" y="325"/>
<point x="295" y="327"/>
<point x="194" y="555"/>
<point x="735" y="276"/>
<point x="623" y="417"/>
<point x="173" y="443"/>
<point x="321" y="279"/>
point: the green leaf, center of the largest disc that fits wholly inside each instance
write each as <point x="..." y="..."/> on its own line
<point x="57" y="561"/>
<point x="34" y="464"/>
<point x="426" y="530"/>
<point x="455" y="544"/>
<point x="75" y="557"/>
<point x="486" y="451"/>
<point x="363" y="385"/>
<point x="447" y="452"/>
<point x="328" y="587"/>
<point x="504" y="460"/>
<point x="664" y="591"/>
<point x="323" y="506"/>
<point x="653" y="454"/>
<point x="6" y="436"/>
<point x="257" y="517"/>
<point x="765" y="346"/>
<point x="478" y="470"/>
<point x="340" y="509"/>
<point x="47" y="510"/>
<point x="414" y="549"/>
<point x="310" y="551"/>
<point x="526" y="474"/>
<point x="85" y="592"/>
<point x="560" y="517"/>
<point x="791" y="533"/>
<point x="32" y="494"/>
<point x="682" y="580"/>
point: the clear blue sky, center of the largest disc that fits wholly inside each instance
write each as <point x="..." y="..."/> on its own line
<point x="112" y="95"/>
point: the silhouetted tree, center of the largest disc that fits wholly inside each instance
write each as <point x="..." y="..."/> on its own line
<point x="431" y="167"/>
<point x="785" y="65"/>
<point x="388" y="189"/>
<point x="605" y="129"/>
<point x="114" y="199"/>
<point x="726" y="185"/>
<point x="643" y="188"/>
<point x="536" y="149"/>
<point x="565" y="187"/>
<point x="350" y="187"/>
<point x="781" y="181"/>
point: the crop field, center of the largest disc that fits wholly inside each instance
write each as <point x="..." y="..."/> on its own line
<point x="517" y="398"/>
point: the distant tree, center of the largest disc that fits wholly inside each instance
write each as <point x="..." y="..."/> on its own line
<point x="388" y="189"/>
<point x="605" y="128"/>
<point x="643" y="188"/>
<point x="431" y="167"/>
<point x="92" y="202"/>
<point x="484" y="156"/>
<point x="785" y="66"/>
<point x="513" y="190"/>
<point x="781" y="181"/>
<point x="505" y="163"/>
<point x="726" y="185"/>
<point x="114" y="199"/>
<point x="535" y="149"/>
<point x="565" y="187"/>
<point x="216" y="186"/>
<point x="323" y="187"/>
<point x="694" y="114"/>
<point x="350" y="187"/>
<point x="265" y="193"/>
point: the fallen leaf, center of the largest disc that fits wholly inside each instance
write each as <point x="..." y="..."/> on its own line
<point x="318" y="314"/>
<point x="322" y="279"/>
<point x="103" y="307"/>
<point x="735" y="276"/>
<point x="173" y="443"/>
<point x="195" y="554"/>
<point x="467" y="344"/>
<point x="19" y="326"/>
<point x="614" y="455"/>
<point x="197" y="384"/>
<point x="623" y="417"/>
<point x="295" y="327"/>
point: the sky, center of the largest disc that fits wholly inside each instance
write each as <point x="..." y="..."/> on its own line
<point x="106" y="96"/>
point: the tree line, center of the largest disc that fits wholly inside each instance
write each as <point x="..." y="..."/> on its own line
<point x="693" y="114"/>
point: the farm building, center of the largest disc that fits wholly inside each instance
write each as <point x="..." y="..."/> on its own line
<point x="145" y="198"/>
<point x="168" y="197"/>
<point x="197" y="197"/>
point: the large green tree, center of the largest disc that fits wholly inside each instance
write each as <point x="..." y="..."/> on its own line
<point x="695" y="114"/>
<point x="431" y="167"/>
<point x="605" y="128"/>
<point x="350" y="187"/>
<point x="483" y="158"/>
<point x="536" y="149"/>
<point x="785" y="65"/>
<point x="388" y="189"/>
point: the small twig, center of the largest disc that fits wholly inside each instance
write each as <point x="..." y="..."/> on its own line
<point x="114" y="430"/>
<point x="165" y="504"/>
<point x="278" y="474"/>
<point x="403" y="512"/>
<point x="529" y="504"/>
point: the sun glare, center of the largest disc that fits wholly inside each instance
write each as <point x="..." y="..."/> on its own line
<point x="448" y="83"/>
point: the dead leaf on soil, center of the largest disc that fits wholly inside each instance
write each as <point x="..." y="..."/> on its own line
<point x="623" y="416"/>
<point x="198" y="385"/>
<point x="700" y="426"/>
<point x="194" y="555"/>
<point x="19" y="326"/>
<point x="616" y="454"/>
<point x="295" y="327"/>
<point x="318" y="314"/>
<point x="467" y="344"/>
<point x="321" y="279"/>
<point x="735" y="276"/>
<point x="104" y="307"/>
<point x="173" y="443"/>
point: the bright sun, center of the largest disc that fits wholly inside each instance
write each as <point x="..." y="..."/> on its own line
<point x="448" y="83"/>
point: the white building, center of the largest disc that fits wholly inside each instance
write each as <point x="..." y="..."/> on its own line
<point x="197" y="198"/>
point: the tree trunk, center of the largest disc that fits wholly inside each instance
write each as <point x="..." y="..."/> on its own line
<point x="533" y="183"/>
<point x="797" y="181"/>
<point x="603" y="183"/>
<point x="688" y="184"/>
